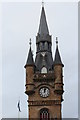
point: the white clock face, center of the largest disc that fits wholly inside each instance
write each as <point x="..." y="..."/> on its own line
<point x="44" y="92"/>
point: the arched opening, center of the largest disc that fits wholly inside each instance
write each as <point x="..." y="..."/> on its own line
<point x="44" y="114"/>
<point x="46" y="46"/>
<point x="44" y="70"/>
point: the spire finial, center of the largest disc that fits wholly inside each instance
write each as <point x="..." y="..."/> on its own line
<point x="30" y="42"/>
<point x="57" y="41"/>
<point x="42" y="3"/>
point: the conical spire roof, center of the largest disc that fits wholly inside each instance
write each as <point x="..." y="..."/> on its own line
<point x="30" y="60"/>
<point x="43" y="28"/>
<point x="30" y="57"/>
<point x="57" y="59"/>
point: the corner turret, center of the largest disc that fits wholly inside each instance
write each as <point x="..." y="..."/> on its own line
<point x="58" y="72"/>
<point x="29" y="73"/>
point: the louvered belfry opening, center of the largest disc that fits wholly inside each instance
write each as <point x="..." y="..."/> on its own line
<point x="44" y="114"/>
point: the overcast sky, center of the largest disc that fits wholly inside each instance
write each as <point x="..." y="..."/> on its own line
<point x="20" y="22"/>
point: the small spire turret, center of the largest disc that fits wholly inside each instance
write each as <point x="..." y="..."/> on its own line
<point x="30" y="60"/>
<point x="57" y="59"/>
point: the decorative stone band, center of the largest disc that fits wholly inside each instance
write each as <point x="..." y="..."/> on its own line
<point x="42" y="77"/>
<point x="45" y="102"/>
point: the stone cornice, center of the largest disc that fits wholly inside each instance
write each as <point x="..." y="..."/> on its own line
<point x="44" y="103"/>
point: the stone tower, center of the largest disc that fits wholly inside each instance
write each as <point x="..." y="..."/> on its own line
<point x="44" y="77"/>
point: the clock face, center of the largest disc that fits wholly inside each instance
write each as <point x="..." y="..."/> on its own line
<point x="44" y="92"/>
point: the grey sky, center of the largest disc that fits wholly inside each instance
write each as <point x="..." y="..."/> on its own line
<point x="20" y="22"/>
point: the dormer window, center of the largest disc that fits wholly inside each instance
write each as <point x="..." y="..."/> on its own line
<point x="44" y="70"/>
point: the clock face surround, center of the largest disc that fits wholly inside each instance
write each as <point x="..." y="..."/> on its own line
<point x="44" y="92"/>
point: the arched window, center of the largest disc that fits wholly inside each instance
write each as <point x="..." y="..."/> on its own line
<point x="44" y="114"/>
<point x="41" y="45"/>
<point x="46" y="46"/>
<point x="44" y="70"/>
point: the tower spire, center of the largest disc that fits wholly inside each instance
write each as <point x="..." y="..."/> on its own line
<point x="43" y="43"/>
<point x="43" y="28"/>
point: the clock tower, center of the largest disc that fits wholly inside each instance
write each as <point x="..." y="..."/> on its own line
<point x="44" y="77"/>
